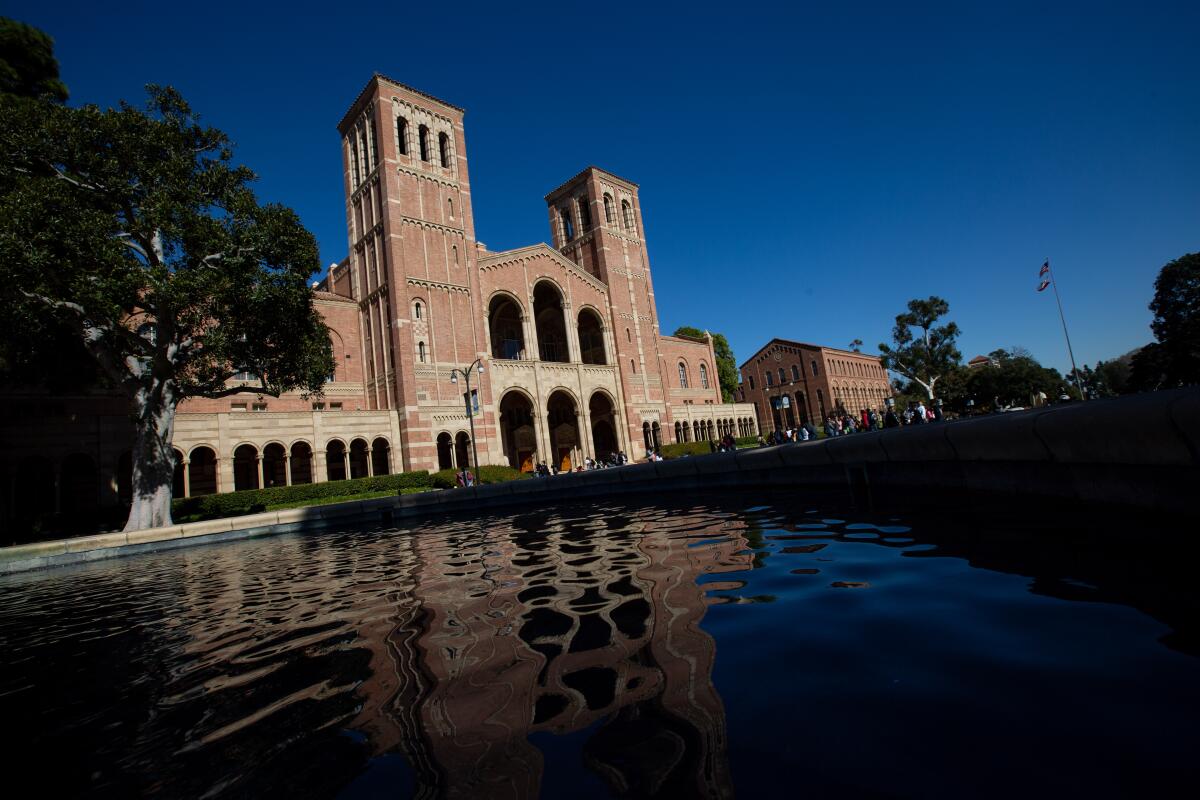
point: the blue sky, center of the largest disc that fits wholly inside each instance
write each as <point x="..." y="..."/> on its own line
<point x="805" y="171"/>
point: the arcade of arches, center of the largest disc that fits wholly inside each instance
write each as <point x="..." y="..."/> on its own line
<point x="555" y="435"/>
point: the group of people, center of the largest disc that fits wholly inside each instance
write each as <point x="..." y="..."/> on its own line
<point x="844" y="423"/>
<point x="542" y="470"/>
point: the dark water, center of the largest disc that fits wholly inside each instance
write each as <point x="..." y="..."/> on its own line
<point x="710" y="650"/>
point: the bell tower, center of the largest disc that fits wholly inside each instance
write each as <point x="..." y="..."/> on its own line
<point x="596" y="221"/>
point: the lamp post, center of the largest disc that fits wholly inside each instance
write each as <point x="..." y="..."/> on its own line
<point x="466" y="375"/>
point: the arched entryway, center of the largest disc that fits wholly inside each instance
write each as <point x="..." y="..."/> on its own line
<point x="202" y="471"/>
<point x="302" y="471"/>
<point x="335" y="461"/>
<point x="245" y="467"/>
<point x="445" y="451"/>
<point x="274" y="465"/>
<point x="517" y="435"/>
<point x="462" y="450"/>
<point x="604" y="426"/>
<point x="591" y="338"/>
<point x="548" y="315"/>
<point x="381" y="462"/>
<point x="562" y="419"/>
<point x="506" y="327"/>
<point x="358" y="459"/>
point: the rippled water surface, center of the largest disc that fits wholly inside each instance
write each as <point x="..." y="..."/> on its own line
<point x="715" y="649"/>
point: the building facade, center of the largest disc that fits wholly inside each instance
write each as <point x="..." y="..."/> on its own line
<point x="792" y="383"/>
<point x="574" y="365"/>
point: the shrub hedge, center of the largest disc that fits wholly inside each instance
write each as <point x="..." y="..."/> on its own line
<point x="248" y="501"/>
<point x="680" y="449"/>
<point x="448" y="478"/>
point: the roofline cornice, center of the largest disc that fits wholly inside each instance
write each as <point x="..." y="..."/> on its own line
<point x="379" y="76"/>
<point x="554" y="192"/>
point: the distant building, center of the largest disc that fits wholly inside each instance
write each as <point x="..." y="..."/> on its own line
<point x="792" y="383"/>
<point x="982" y="361"/>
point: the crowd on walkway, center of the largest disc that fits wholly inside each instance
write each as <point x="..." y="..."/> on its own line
<point x="843" y="423"/>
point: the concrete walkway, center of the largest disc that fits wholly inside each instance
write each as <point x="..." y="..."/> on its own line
<point x="1139" y="452"/>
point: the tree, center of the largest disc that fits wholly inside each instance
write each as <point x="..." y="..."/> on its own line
<point x="1175" y="359"/>
<point x="1013" y="378"/>
<point x="134" y="228"/>
<point x="926" y="356"/>
<point x="856" y="345"/>
<point x="727" y="374"/>
<point x="28" y="67"/>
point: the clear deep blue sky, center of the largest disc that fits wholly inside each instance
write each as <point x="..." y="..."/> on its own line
<point x="804" y="172"/>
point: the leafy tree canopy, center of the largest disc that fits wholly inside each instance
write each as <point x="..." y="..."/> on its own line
<point x="726" y="364"/>
<point x="133" y="228"/>
<point x="1175" y="359"/>
<point x="28" y="67"/>
<point x="921" y="350"/>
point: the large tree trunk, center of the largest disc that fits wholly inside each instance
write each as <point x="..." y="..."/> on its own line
<point x="153" y="458"/>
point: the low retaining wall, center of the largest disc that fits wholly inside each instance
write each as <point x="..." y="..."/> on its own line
<point x="1140" y="452"/>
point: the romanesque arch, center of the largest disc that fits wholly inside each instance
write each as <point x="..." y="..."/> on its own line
<point x="336" y="458"/>
<point x="462" y="450"/>
<point x="445" y="445"/>
<point x="517" y="436"/>
<point x="302" y="466"/>
<point x="381" y="456"/>
<point x="202" y="471"/>
<point x="506" y="325"/>
<point x="604" y="425"/>
<point x="245" y="467"/>
<point x="358" y="459"/>
<point x="549" y="317"/>
<point x="562" y="421"/>
<point x="591" y="337"/>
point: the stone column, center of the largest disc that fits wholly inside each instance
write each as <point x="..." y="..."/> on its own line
<point x="346" y="461"/>
<point x="187" y="478"/>
<point x="259" y="463"/>
<point x="589" y="446"/>
<point x="370" y="463"/>
<point x="287" y="468"/>
<point x="320" y="471"/>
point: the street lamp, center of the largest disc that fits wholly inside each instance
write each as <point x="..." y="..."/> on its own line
<point x="466" y="375"/>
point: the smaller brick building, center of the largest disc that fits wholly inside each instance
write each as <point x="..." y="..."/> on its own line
<point x="792" y="383"/>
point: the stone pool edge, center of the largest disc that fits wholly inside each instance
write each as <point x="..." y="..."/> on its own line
<point x="1141" y="452"/>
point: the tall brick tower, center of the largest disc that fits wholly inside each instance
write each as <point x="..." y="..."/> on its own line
<point x="412" y="264"/>
<point x="596" y="221"/>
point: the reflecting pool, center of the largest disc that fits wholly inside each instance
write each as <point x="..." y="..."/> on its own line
<point x="715" y="648"/>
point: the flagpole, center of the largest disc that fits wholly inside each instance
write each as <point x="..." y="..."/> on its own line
<point x="1067" y="336"/>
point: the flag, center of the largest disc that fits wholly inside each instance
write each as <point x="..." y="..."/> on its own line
<point x="1042" y="274"/>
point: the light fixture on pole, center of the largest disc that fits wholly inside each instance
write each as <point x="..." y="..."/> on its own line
<point x="470" y="404"/>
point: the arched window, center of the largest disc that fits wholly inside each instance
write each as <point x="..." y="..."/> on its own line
<point x="683" y="381"/>
<point x="354" y="168"/>
<point x="770" y="379"/>
<point x="795" y="372"/>
<point x="628" y="335"/>
<point x="423" y="141"/>
<point x="703" y="376"/>
<point x="568" y="227"/>
<point x="454" y="247"/>
<point x="782" y="376"/>
<point x="751" y="383"/>
<point x="421" y="352"/>
<point x="444" y="149"/>
<point x="402" y="135"/>
<point x="450" y="206"/>
<point x="585" y="214"/>
<point x="417" y="310"/>
<point x="632" y="367"/>
<point x="627" y="216"/>
<point x="814" y="367"/>
<point x="608" y="209"/>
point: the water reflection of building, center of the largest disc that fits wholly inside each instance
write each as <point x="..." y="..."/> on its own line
<point x="555" y="631"/>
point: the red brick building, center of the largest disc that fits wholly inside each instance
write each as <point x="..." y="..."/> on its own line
<point x="574" y="364"/>
<point x="792" y="383"/>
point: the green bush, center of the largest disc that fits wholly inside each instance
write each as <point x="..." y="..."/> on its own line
<point x="681" y="449"/>
<point x="747" y="441"/>
<point x="249" y="501"/>
<point x="448" y="478"/>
